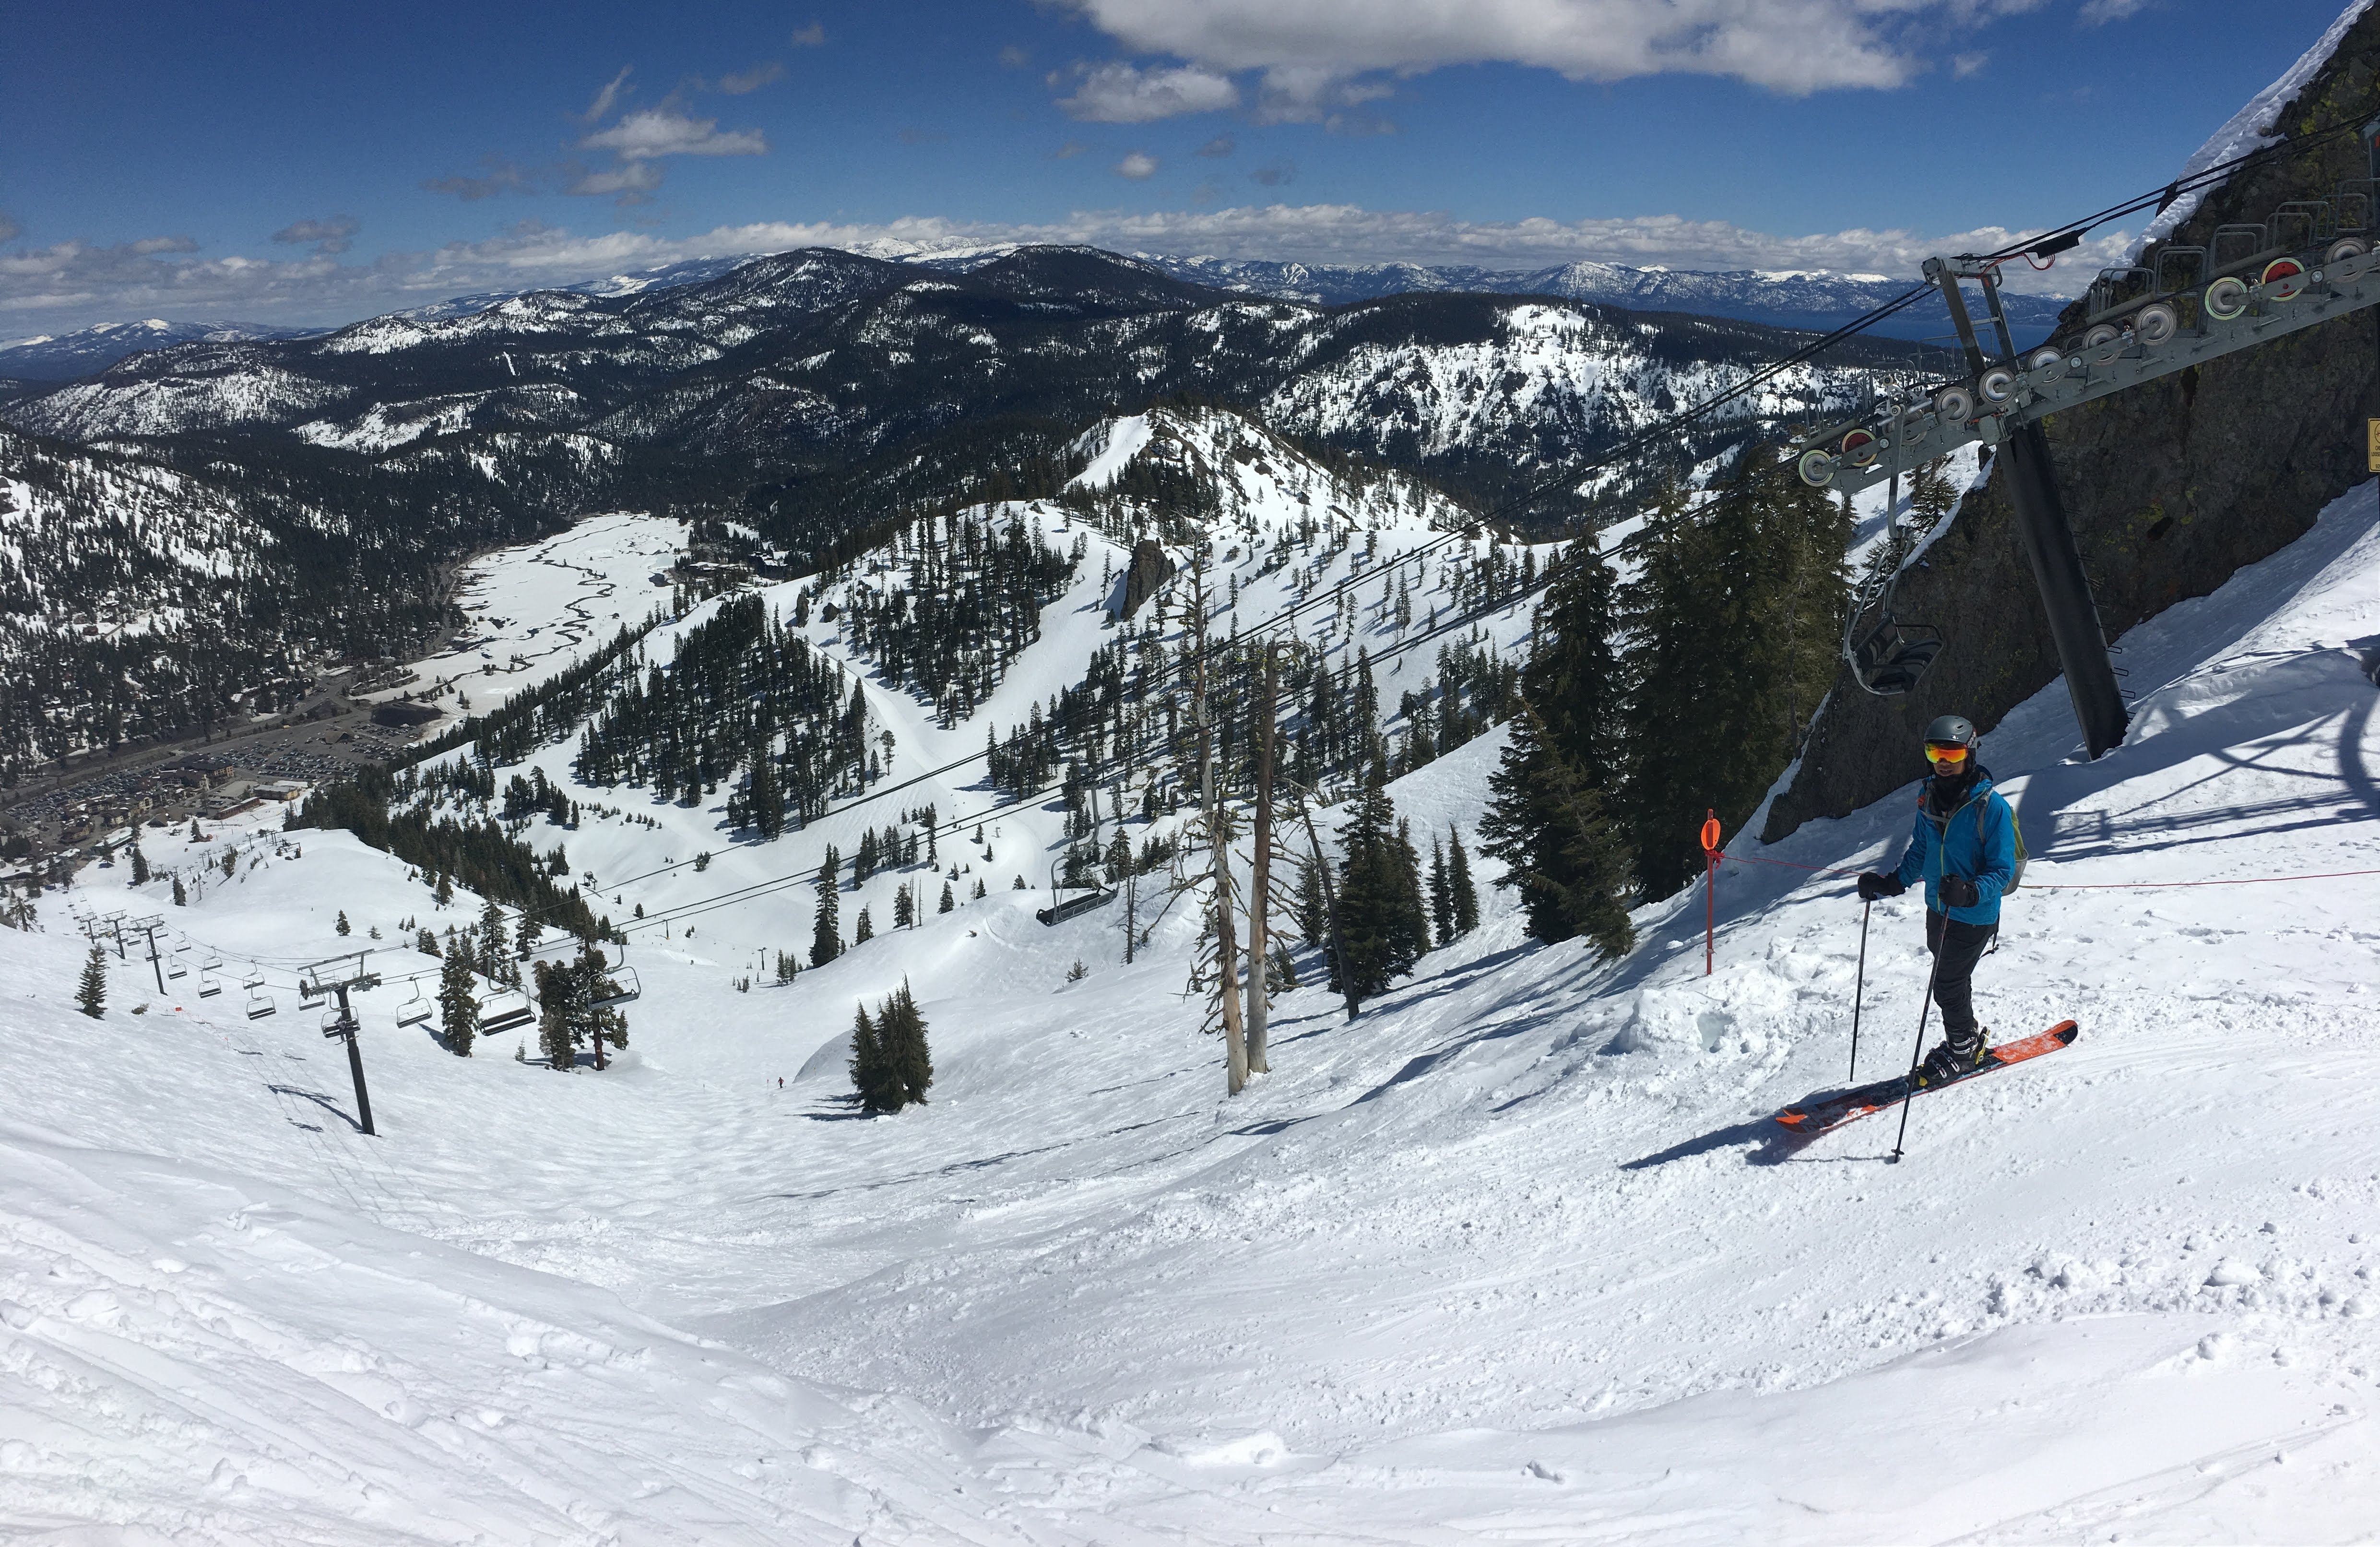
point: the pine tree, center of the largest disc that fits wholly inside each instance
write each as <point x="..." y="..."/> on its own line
<point x="979" y="887"/>
<point x="864" y="931"/>
<point x="181" y="898"/>
<point x="1312" y="914"/>
<point x="1735" y="615"/>
<point x="948" y="901"/>
<point x="445" y="890"/>
<point x="826" y="935"/>
<point x="913" y="1062"/>
<point x="139" y="865"/>
<point x="1567" y="860"/>
<point x="1383" y="926"/>
<point x="426" y="942"/>
<point x="90" y="993"/>
<point x="905" y="909"/>
<point x="493" y="943"/>
<point x="341" y="925"/>
<point x="459" y="1003"/>
<point x="1466" y="898"/>
<point x="874" y="1073"/>
<point x="1547" y="813"/>
<point x="557" y="1015"/>
<point x="1441" y="892"/>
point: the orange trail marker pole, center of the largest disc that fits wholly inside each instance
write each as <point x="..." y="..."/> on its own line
<point x="1710" y="888"/>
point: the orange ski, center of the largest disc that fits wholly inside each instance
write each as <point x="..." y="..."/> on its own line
<point x="1833" y="1109"/>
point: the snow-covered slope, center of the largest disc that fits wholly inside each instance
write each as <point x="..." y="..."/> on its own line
<point x="1517" y="1255"/>
<point x="64" y="356"/>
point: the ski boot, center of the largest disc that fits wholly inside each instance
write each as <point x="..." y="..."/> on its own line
<point x="1955" y="1057"/>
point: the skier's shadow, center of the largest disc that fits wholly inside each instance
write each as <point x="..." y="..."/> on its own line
<point x="1765" y="1140"/>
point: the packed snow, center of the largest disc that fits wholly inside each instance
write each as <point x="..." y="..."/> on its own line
<point x="1518" y="1254"/>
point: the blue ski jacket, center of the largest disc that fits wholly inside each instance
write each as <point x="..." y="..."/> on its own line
<point x="1978" y="841"/>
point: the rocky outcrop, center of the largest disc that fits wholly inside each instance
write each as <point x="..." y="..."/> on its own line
<point x="2170" y="487"/>
<point x="1149" y="569"/>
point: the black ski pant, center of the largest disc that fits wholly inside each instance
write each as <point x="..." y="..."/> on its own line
<point x="1957" y="947"/>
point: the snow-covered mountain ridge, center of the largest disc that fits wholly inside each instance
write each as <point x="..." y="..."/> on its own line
<point x="1515" y="1252"/>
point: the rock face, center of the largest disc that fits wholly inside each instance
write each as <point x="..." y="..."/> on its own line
<point x="2170" y="487"/>
<point x="1150" y="569"/>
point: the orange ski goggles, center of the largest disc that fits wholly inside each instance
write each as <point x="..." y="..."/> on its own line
<point x="1945" y="752"/>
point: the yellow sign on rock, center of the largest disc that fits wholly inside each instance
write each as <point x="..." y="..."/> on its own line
<point x="2372" y="443"/>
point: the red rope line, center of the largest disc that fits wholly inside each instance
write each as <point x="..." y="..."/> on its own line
<point x="2084" y="885"/>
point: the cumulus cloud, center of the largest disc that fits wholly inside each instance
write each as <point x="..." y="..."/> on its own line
<point x="1069" y="151"/>
<point x="72" y="285"/>
<point x="812" y="36"/>
<point x="329" y="238"/>
<point x="668" y="131"/>
<point x="1308" y="47"/>
<point x="1123" y="93"/>
<point x="1965" y="65"/>
<point x="1137" y="165"/>
<point x="742" y="81"/>
<point x="2098" y="13"/>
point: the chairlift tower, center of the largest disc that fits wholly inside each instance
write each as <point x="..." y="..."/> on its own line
<point x="337" y="977"/>
<point x="2311" y="260"/>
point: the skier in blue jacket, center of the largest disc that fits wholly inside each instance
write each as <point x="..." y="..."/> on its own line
<point x="1964" y="848"/>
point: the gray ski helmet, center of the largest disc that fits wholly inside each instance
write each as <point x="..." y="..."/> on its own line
<point x="1953" y="730"/>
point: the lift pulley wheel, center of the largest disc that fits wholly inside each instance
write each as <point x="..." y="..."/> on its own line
<point x="1816" y="468"/>
<point x="2045" y="366"/>
<point x="2227" y="297"/>
<point x="2344" y="249"/>
<point x="1956" y="404"/>
<point x="2156" y="323"/>
<point x="1859" y="448"/>
<point x="1998" y="384"/>
<point x="2286" y="276"/>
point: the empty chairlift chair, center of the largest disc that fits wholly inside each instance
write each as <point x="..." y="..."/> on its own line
<point x="259" y="1003"/>
<point x="414" y="1011"/>
<point x="209" y="985"/>
<point x="506" y="1010"/>
<point x="177" y="965"/>
<point x="1063" y="908"/>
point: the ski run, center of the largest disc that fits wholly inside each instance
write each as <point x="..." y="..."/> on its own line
<point x="1519" y="1255"/>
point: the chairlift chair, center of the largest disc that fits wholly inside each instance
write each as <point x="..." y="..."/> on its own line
<point x="414" y="1011"/>
<point x="209" y="985"/>
<point x="1890" y="658"/>
<point x="259" y="1003"/>
<point x="624" y="987"/>
<point x="1059" y="911"/>
<point x="177" y="965"/>
<point x="508" y="1010"/>
<point x="211" y="961"/>
<point x="310" y="994"/>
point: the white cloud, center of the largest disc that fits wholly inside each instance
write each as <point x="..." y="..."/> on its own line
<point x="608" y="98"/>
<point x="72" y="285"/>
<point x="1015" y="58"/>
<point x="812" y="36"/>
<point x="759" y="75"/>
<point x="2098" y="13"/>
<point x="666" y="131"/>
<point x="1965" y="65"/>
<point x="1794" y="46"/>
<point x="329" y="238"/>
<point x="1122" y="93"/>
<point x="1137" y="165"/>
<point x="630" y="179"/>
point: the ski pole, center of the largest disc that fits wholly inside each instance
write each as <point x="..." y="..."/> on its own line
<point x="1915" y="1053"/>
<point x="1859" y="989"/>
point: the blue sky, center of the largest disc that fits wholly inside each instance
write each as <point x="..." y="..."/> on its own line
<point x="312" y="162"/>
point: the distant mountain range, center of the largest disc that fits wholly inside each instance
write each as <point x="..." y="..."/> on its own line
<point x="68" y="356"/>
<point x="1815" y="301"/>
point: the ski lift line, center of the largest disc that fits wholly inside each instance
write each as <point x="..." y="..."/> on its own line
<point x="760" y="889"/>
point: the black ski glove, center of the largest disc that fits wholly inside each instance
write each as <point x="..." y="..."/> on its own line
<point x="1874" y="884"/>
<point x="1958" y="892"/>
